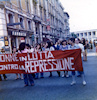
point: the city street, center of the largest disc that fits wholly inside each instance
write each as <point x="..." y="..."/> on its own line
<point x="54" y="88"/>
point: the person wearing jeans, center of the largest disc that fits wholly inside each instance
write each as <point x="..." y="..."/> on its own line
<point x="4" y="76"/>
<point x="73" y="46"/>
<point x="27" y="77"/>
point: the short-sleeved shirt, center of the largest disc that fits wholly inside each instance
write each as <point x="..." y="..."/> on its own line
<point x="73" y="47"/>
<point x="62" y="47"/>
<point x="81" y="46"/>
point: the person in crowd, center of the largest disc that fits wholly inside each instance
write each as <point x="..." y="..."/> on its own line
<point x="23" y="49"/>
<point x="81" y="46"/>
<point x="94" y="43"/>
<point x="91" y="45"/>
<point x="73" y="46"/>
<point x="14" y="50"/>
<point x="63" y="47"/>
<point x="57" y="45"/>
<point x="87" y="44"/>
<point x="38" y="49"/>
<point x="4" y="75"/>
<point x="43" y="46"/>
<point x="32" y="49"/>
<point x="85" y="48"/>
<point x="50" y="47"/>
<point x="78" y="43"/>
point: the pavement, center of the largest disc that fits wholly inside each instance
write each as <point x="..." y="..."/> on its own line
<point x="54" y="88"/>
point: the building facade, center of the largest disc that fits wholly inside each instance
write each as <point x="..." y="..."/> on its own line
<point x="48" y="20"/>
<point x="32" y="20"/>
<point x="17" y="18"/>
<point x="88" y="34"/>
<point x="66" y="25"/>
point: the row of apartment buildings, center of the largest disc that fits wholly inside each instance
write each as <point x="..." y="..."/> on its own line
<point x="33" y="20"/>
<point x="89" y="35"/>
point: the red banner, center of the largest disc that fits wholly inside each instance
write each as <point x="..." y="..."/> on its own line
<point x="45" y="61"/>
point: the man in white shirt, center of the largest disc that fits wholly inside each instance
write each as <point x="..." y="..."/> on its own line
<point x="77" y="42"/>
<point x="74" y="46"/>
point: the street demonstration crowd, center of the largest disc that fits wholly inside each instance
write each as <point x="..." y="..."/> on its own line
<point x="72" y="43"/>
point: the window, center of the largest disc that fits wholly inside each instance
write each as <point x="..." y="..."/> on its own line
<point x="81" y="34"/>
<point x="36" y="30"/>
<point x="78" y="34"/>
<point x="42" y="29"/>
<point x="40" y="2"/>
<point x="29" y="25"/>
<point x="44" y="15"/>
<point x="94" y="33"/>
<point x="19" y="3"/>
<point x="41" y="12"/>
<point x="27" y="4"/>
<point x="85" y="34"/>
<point x="35" y="9"/>
<point x="10" y="17"/>
<point x="21" y="21"/>
<point x="89" y="33"/>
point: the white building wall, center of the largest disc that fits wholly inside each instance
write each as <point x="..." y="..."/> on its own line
<point x="89" y="37"/>
<point x="3" y="28"/>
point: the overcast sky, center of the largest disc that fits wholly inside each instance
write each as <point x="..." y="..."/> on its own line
<point x="83" y="14"/>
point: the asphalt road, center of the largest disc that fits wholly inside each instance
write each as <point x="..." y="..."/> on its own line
<point x="54" y="88"/>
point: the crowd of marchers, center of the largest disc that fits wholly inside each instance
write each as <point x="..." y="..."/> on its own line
<point x="72" y="43"/>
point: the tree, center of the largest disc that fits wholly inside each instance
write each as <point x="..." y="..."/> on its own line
<point x="73" y="35"/>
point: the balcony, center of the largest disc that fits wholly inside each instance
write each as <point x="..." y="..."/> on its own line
<point x="37" y="19"/>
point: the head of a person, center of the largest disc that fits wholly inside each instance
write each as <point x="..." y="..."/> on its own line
<point x="52" y="43"/>
<point x="86" y="41"/>
<point x="14" y="49"/>
<point x="72" y="40"/>
<point x="32" y="46"/>
<point x="58" y="42"/>
<point x="38" y="46"/>
<point x="90" y="41"/>
<point x="2" y="50"/>
<point x="83" y="41"/>
<point x="28" y="46"/>
<point x="64" y="42"/>
<point x="22" y="46"/>
<point x="48" y="44"/>
<point x="77" y="41"/>
<point x="43" y="44"/>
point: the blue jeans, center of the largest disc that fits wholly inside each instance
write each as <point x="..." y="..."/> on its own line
<point x="79" y="72"/>
<point x="37" y="75"/>
<point x="28" y="77"/>
<point x="0" y="78"/>
<point x="4" y="76"/>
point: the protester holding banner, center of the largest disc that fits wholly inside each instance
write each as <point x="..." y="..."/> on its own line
<point x="63" y="47"/>
<point x="14" y="50"/>
<point x="81" y="46"/>
<point x="38" y="49"/>
<point x="31" y="49"/>
<point x="50" y="47"/>
<point x="4" y="75"/>
<point x="23" y="49"/>
<point x="73" y="46"/>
